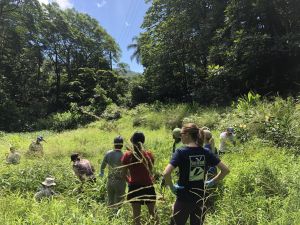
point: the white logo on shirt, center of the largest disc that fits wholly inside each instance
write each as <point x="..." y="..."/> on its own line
<point x="197" y="164"/>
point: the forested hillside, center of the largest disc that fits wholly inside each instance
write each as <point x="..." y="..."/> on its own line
<point x="51" y="58"/>
<point x="56" y="65"/>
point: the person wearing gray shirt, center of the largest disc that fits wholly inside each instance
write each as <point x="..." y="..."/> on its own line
<point x="116" y="183"/>
<point x="46" y="190"/>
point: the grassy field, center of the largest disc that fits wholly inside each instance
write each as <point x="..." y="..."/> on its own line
<point x="262" y="188"/>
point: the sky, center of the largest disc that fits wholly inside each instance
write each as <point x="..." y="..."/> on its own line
<point x="120" y="18"/>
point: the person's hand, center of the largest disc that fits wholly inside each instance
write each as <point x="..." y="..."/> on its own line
<point x="101" y="174"/>
<point x="175" y="188"/>
<point x="210" y="183"/>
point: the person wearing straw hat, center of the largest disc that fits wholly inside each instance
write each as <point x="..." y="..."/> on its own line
<point x="227" y="138"/>
<point x="46" y="190"/>
<point x="193" y="162"/>
<point x="13" y="157"/>
<point x="116" y="183"/>
<point x="138" y="164"/>
<point x="36" y="147"/>
<point x="82" y="168"/>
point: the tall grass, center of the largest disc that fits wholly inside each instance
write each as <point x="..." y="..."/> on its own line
<point x="262" y="188"/>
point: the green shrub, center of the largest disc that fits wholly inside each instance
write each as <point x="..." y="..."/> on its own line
<point x="65" y="120"/>
<point x="282" y="125"/>
<point x="112" y="112"/>
<point x="174" y="115"/>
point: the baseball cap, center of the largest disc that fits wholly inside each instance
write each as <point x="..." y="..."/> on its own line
<point x="118" y="140"/>
<point x="40" y="138"/>
<point x="230" y="130"/>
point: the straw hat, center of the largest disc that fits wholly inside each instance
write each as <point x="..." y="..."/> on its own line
<point x="49" y="181"/>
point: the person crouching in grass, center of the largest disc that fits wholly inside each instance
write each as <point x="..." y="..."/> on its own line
<point x="46" y="190"/>
<point x="82" y="168"/>
<point x="13" y="157"/>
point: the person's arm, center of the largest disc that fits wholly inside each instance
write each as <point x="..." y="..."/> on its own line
<point x="150" y="160"/>
<point x="167" y="175"/>
<point x="224" y="170"/>
<point x="212" y="144"/>
<point x="103" y="166"/>
<point x="125" y="173"/>
<point x="77" y="171"/>
<point x="125" y="163"/>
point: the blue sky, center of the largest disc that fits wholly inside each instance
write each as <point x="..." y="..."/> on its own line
<point x="120" y="18"/>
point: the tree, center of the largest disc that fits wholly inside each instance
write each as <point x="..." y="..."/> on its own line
<point x="259" y="47"/>
<point x="175" y="45"/>
<point x="136" y="49"/>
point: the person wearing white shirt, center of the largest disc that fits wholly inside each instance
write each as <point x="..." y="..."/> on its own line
<point x="227" y="138"/>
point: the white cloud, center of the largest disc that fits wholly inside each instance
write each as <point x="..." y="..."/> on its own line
<point x="101" y="4"/>
<point x="62" y="3"/>
<point x="127" y="24"/>
<point x="44" y="1"/>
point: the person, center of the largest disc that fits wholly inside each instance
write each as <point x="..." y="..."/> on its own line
<point x="36" y="147"/>
<point x="177" y="143"/>
<point x="226" y="138"/>
<point x="138" y="164"/>
<point x="116" y="183"/>
<point x="177" y="139"/>
<point x="82" y="168"/>
<point x="209" y="143"/>
<point x="13" y="157"/>
<point x="46" y="190"/>
<point x="193" y="161"/>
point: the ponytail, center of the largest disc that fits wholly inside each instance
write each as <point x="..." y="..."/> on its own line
<point x="196" y="133"/>
<point x="200" y="138"/>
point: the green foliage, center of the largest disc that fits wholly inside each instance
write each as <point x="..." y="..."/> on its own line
<point x="174" y="115"/>
<point x="273" y="120"/>
<point x="246" y="102"/>
<point x="258" y="189"/>
<point x="281" y="125"/>
<point x="66" y="120"/>
<point x="254" y="48"/>
<point x="42" y="50"/>
<point x="207" y="117"/>
<point x="262" y="187"/>
<point x="112" y="112"/>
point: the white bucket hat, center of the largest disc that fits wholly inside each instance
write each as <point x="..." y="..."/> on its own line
<point x="49" y="181"/>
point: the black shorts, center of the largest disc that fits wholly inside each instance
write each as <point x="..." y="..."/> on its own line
<point x="141" y="194"/>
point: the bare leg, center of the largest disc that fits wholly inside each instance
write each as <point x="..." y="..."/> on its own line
<point x="136" y="209"/>
<point x="152" y="212"/>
